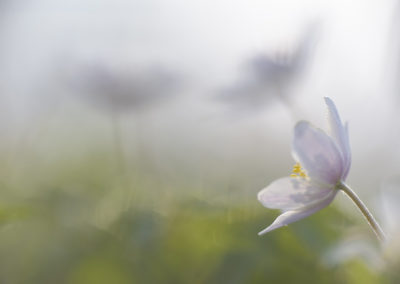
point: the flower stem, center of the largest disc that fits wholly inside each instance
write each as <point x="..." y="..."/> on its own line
<point x="364" y="210"/>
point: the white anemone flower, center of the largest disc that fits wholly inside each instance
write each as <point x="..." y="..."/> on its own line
<point x="322" y="165"/>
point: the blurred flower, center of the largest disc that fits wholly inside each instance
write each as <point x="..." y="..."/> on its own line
<point x="326" y="163"/>
<point x="355" y="247"/>
<point x="122" y="90"/>
<point x="390" y="197"/>
<point x="270" y="75"/>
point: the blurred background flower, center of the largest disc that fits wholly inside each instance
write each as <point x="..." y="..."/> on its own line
<point x="121" y="90"/>
<point x="269" y="77"/>
<point x="390" y="198"/>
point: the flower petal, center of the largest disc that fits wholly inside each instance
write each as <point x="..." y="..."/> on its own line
<point x="340" y="134"/>
<point x="317" y="153"/>
<point x="292" y="193"/>
<point x="295" y="215"/>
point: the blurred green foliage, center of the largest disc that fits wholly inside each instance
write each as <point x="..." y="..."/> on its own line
<point x="81" y="222"/>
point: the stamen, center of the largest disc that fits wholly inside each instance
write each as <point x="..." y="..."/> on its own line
<point x="298" y="171"/>
<point x="297" y="168"/>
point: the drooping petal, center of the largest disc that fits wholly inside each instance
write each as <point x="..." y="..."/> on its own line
<point x="295" y="215"/>
<point x="292" y="193"/>
<point x="339" y="133"/>
<point x="317" y="153"/>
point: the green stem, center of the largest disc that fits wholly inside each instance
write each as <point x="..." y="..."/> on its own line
<point x="364" y="210"/>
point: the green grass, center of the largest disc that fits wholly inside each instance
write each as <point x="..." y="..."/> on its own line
<point x="79" y="221"/>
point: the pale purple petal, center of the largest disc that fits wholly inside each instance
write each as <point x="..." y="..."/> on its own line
<point x="317" y="153"/>
<point x="292" y="193"/>
<point x="340" y="135"/>
<point x="295" y="215"/>
<point x="347" y="159"/>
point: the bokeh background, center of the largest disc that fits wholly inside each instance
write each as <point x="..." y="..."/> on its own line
<point x="135" y="136"/>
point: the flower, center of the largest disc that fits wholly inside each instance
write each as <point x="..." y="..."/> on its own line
<point x="118" y="90"/>
<point x="323" y="163"/>
<point x="269" y="76"/>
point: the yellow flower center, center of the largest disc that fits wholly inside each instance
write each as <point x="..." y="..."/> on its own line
<point x="298" y="171"/>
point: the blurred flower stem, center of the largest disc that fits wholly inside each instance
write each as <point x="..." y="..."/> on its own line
<point x="364" y="210"/>
<point x="119" y="150"/>
<point x="286" y="101"/>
